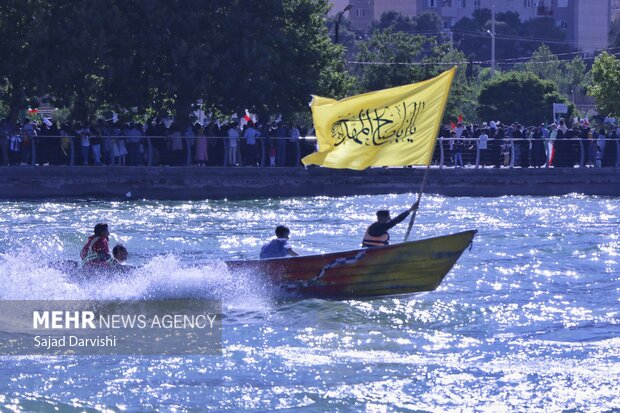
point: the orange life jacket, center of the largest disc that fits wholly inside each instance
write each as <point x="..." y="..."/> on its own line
<point x="370" y="241"/>
<point x="92" y="257"/>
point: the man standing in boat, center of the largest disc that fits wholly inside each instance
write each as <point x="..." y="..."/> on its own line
<point x="278" y="247"/>
<point x="96" y="252"/>
<point x="377" y="233"/>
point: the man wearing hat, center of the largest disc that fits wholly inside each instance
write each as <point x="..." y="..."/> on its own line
<point x="377" y="233"/>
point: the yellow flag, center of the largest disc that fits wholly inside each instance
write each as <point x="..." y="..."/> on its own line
<point x="390" y="127"/>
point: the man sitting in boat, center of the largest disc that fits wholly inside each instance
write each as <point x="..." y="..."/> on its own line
<point x="377" y="233"/>
<point x="278" y="247"/>
<point x="95" y="253"/>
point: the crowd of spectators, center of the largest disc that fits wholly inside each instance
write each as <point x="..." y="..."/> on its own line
<point x="234" y="143"/>
<point x="559" y="145"/>
<point x="156" y="142"/>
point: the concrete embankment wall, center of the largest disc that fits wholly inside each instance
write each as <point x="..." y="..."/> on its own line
<point x="42" y="182"/>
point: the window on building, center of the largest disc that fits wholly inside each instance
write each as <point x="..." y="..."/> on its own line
<point x="530" y="3"/>
<point x="562" y="3"/>
<point x="509" y="4"/>
<point x="433" y="3"/>
<point x="564" y="24"/>
<point x="476" y="3"/>
<point x="544" y="8"/>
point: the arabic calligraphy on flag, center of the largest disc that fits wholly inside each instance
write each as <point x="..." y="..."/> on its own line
<point x="391" y="127"/>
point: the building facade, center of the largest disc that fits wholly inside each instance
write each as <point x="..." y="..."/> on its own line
<point x="337" y="7"/>
<point x="587" y="22"/>
<point x="364" y="12"/>
<point x="615" y="10"/>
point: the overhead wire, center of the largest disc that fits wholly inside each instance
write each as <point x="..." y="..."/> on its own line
<point x="504" y="36"/>
<point x="505" y="62"/>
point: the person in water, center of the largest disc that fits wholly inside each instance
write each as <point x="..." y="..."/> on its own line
<point x="377" y="233"/>
<point x="120" y="253"/>
<point x="278" y="247"/>
<point x="96" y="252"/>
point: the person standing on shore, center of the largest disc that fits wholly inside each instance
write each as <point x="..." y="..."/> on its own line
<point x="233" y="137"/>
<point x="201" y="147"/>
<point x="250" y="135"/>
<point x="483" y="139"/>
<point x="281" y="144"/>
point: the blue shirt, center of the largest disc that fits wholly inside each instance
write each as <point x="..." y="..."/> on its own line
<point x="276" y="248"/>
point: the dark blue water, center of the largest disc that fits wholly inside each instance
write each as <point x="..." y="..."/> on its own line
<point x="528" y="320"/>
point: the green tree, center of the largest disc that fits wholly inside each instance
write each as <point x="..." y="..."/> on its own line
<point x="86" y="56"/>
<point x="464" y="93"/>
<point x="392" y="59"/>
<point x="472" y="38"/>
<point x="395" y="21"/>
<point x="154" y="55"/>
<point x="539" y="31"/>
<point x="21" y="72"/>
<point x="605" y="83"/>
<point x="346" y="35"/>
<point x="514" y="38"/>
<point x="576" y="73"/>
<point x="427" y="23"/>
<point x="518" y="97"/>
<point x="397" y="58"/>
<point x="544" y="64"/>
<point x="469" y="35"/>
<point x="568" y="76"/>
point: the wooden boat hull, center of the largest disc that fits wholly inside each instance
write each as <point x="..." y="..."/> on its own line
<point x="394" y="269"/>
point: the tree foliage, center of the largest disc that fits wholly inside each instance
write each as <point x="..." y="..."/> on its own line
<point x="427" y="23"/>
<point x="397" y="58"/>
<point x="605" y="83"/>
<point x="544" y="64"/>
<point x="568" y="76"/>
<point x="513" y="38"/>
<point x="155" y="55"/>
<point x="520" y="97"/>
<point x="21" y="72"/>
<point x="391" y="59"/>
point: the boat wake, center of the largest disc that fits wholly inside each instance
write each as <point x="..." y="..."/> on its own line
<point x="26" y="276"/>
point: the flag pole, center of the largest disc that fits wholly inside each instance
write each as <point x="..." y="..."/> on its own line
<point x="430" y="160"/>
<point x="413" y="214"/>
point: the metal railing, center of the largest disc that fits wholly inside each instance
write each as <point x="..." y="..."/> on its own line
<point x="180" y="151"/>
<point x="526" y="152"/>
<point x="158" y="150"/>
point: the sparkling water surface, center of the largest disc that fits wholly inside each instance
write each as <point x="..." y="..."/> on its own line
<point x="528" y="320"/>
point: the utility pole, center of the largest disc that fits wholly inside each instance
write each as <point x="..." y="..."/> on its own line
<point x="492" y="33"/>
<point x="493" y="41"/>
<point x="346" y="9"/>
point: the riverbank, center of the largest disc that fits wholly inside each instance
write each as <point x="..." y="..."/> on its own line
<point x="173" y="183"/>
